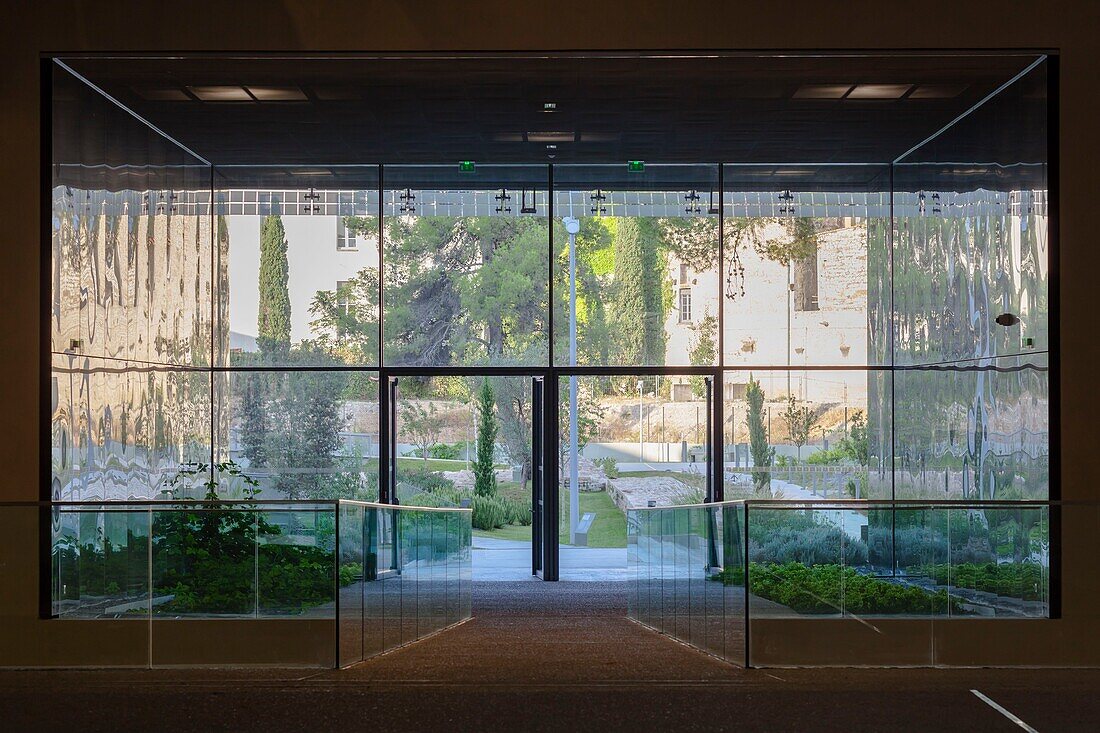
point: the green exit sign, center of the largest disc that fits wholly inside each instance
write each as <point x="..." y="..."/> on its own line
<point x="466" y="166"/>
<point x="635" y="166"/>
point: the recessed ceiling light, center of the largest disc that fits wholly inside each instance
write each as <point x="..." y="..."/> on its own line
<point x="162" y="94"/>
<point x="822" y="91"/>
<point x="221" y="94"/>
<point x="937" y="91"/>
<point x="278" y="94"/>
<point x="879" y="91"/>
<point x="551" y="137"/>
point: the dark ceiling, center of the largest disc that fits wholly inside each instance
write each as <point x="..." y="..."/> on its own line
<point x="744" y="109"/>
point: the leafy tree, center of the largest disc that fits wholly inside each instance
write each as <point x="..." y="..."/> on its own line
<point x="273" y="319"/>
<point x="762" y="453"/>
<point x="504" y="295"/>
<point x="485" y="479"/>
<point x="590" y="413"/>
<point x="423" y="426"/>
<point x="800" y="420"/>
<point x="513" y="400"/>
<point x="345" y="320"/>
<point x="704" y="350"/>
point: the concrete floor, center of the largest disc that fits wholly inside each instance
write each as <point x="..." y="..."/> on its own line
<point x="542" y="656"/>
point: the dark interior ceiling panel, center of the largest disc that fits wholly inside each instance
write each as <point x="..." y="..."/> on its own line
<point x="564" y="109"/>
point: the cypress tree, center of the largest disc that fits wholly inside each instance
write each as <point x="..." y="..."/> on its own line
<point x="273" y="319"/>
<point x="485" y="479"/>
<point x="638" y="311"/>
<point x="762" y="454"/>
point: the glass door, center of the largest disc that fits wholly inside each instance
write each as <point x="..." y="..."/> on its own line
<point x="630" y="440"/>
<point x="462" y="439"/>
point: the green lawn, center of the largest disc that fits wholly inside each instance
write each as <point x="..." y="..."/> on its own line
<point x="609" y="529"/>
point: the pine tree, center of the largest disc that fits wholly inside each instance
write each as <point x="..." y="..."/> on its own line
<point x="485" y="480"/>
<point x="273" y="319"/>
<point x="762" y="454"/>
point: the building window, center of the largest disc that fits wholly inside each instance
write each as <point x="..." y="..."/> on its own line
<point x="685" y="305"/>
<point x="344" y="240"/>
<point x="343" y="297"/>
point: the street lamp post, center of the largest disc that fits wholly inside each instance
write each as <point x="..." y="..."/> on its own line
<point x="572" y="226"/>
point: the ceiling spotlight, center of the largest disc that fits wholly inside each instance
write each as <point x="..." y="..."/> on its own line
<point x="551" y="137"/>
<point x="221" y="94"/>
<point x="879" y="91"/>
<point x="277" y="94"/>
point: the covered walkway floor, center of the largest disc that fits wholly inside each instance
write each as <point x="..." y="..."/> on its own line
<point x="548" y="656"/>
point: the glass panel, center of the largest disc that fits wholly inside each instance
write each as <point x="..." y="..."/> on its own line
<point x="971" y="234"/>
<point x="101" y="562"/>
<point x="466" y="265"/>
<point x="353" y="577"/>
<point x="815" y="561"/>
<point x="132" y="269"/>
<point x="807" y="267"/>
<point x="639" y="440"/>
<point x="126" y="431"/>
<point x="302" y="434"/>
<point x="645" y="269"/>
<point x="997" y="561"/>
<point x="236" y="563"/>
<point x="973" y="431"/>
<point x="299" y="248"/>
<point x="731" y="636"/>
<point x="800" y="435"/>
<point x="375" y="570"/>
<point x="466" y="441"/>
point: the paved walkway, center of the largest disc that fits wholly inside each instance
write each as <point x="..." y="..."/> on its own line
<point x="503" y="560"/>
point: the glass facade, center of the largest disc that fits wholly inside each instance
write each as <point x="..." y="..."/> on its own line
<point x="864" y="332"/>
<point x="815" y="334"/>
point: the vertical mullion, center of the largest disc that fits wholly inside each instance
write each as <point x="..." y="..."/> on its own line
<point x="550" y="265"/>
<point x="890" y="341"/>
<point x="381" y="268"/>
<point x="721" y="265"/>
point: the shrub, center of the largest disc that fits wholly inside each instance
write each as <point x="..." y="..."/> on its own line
<point x="444" y="451"/>
<point x="517" y="512"/>
<point x="428" y="481"/>
<point x="489" y="512"/>
<point x="912" y="546"/>
<point x="829" y="457"/>
<point x="1016" y="580"/>
<point x="818" y="589"/>
<point x="816" y="545"/>
<point x="349" y="571"/>
<point x="608" y="465"/>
